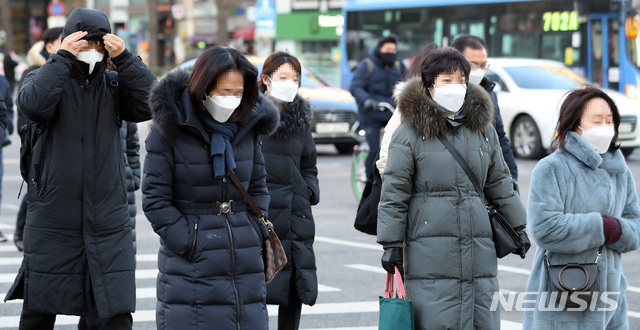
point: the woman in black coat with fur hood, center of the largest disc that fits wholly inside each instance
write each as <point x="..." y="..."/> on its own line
<point x="211" y="273"/>
<point x="292" y="179"/>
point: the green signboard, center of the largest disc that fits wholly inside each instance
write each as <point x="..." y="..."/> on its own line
<point x="309" y="26"/>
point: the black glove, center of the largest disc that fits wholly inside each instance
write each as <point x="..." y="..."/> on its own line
<point x="370" y="105"/>
<point x="524" y="242"/>
<point x="392" y="256"/>
<point x="515" y="185"/>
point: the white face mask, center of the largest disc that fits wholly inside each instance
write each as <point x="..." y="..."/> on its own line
<point x="90" y="57"/>
<point x="450" y="97"/>
<point x="476" y="75"/>
<point x="283" y="91"/>
<point x="221" y="107"/>
<point x="599" y="137"/>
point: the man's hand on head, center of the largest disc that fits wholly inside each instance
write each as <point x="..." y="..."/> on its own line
<point x="113" y="44"/>
<point x="73" y="43"/>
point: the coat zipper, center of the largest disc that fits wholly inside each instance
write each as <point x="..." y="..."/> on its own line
<point x="195" y="238"/>
<point x="233" y="271"/>
<point x="198" y="129"/>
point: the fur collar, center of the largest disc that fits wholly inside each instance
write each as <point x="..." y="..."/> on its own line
<point x="34" y="56"/>
<point x="294" y="117"/>
<point x="171" y="110"/>
<point x="612" y="162"/>
<point x="428" y="118"/>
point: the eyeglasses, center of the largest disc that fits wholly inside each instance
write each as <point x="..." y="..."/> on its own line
<point x="482" y="66"/>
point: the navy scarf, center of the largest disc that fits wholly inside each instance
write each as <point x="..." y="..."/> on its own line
<point x="221" y="150"/>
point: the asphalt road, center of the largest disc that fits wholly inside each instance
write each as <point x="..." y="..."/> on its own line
<point x="348" y="261"/>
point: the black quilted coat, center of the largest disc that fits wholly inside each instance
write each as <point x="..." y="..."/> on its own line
<point x="77" y="234"/>
<point x="292" y="178"/>
<point x="211" y="270"/>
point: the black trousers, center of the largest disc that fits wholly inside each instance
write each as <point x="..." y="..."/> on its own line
<point x="92" y="321"/>
<point x="289" y="316"/>
<point x="41" y="321"/>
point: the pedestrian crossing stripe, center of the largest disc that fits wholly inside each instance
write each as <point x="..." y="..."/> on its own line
<point x="318" y="309"/>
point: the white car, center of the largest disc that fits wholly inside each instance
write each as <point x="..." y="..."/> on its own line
<point x="530" y="92"/>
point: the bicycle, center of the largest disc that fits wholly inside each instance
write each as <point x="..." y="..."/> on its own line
<point x="358" y="169"/>
<point x="360" y="153"/>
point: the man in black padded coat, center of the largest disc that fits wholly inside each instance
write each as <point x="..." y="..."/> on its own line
<point x="78" y="253"/>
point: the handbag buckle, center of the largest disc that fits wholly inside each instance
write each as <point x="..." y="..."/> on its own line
<point x="225" y="207"/>
<point x="586" y="274"/>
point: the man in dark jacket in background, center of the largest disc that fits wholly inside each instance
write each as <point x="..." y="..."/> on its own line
<point x="36" y="57"/>
<point x="5" y="92"/>
<point x="372" y="86"/>
<point x="10" y="68"/>
<point x="79" y="256"/>
<point x="474" y="49"/>
<point x="6" y="113"/>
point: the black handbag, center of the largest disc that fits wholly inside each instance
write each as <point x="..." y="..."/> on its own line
<point x="505" y="238"/>
<point x="570" y="278"/>
<point x="367" y="214"/>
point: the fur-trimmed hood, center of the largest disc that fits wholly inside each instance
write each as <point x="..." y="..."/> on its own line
<point x="34" y="56"/>
<point x="294" y="117"/>
<point x="429" y="118"/>
<point x="171" y="110"/>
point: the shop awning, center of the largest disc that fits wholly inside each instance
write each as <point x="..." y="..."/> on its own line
<point x="244" y="32"/>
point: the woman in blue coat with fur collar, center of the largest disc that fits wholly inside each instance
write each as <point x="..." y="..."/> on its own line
<point x="583" y="198"/>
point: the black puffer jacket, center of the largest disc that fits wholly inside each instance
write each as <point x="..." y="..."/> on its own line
<point x="77" y="234"/>
<point x="211" y="269"/>
<point x="292" y="178"/>
<point x="131" y="146"/>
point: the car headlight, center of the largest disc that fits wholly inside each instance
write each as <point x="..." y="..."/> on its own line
<point x="632" y="91"/>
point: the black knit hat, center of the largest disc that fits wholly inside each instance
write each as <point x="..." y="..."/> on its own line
<point x="391" y="39"/>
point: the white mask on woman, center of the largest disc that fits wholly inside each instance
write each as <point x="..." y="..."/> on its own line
<point x="90" y="57"/>
<point x="450" y="96"/>
<point x="221" y="107"/>
<point x="283" y="91"/>
<point x="599" y="137"/>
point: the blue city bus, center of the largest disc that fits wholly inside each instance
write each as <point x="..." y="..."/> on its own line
<point x="597" y="38"/>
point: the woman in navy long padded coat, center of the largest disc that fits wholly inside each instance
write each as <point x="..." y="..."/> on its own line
<point x="292" y="178"/>
<point x="205" y="125"/>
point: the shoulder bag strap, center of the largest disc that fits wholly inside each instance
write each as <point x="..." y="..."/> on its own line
<point x="247" y="197"/>
<point x="464" y="165"/>
<point x="546" y="258"/>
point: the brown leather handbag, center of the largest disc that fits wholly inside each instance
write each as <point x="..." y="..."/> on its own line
<point x="273" y="253"/>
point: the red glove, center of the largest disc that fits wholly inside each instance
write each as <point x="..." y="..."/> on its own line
<point x="612" y="229"/>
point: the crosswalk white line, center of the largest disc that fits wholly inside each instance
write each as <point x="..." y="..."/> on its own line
<point x="367" y="268"/>
<point x="8" y="246"/>
<point x="348" y="243"/>
<point x="318" y="309"/>
<point x="514" y="270"/>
